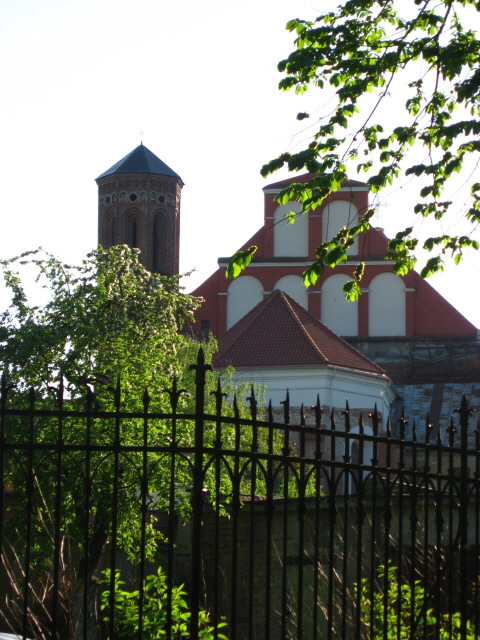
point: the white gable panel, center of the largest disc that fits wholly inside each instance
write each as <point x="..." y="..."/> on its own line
<point x="387" y="306"/>
<point x="338" y="314"/>
<point x="290" y="240"/>
<point x="293" y="286"/>
<point x="336" y="215"/>
<point x="244" y="293"/>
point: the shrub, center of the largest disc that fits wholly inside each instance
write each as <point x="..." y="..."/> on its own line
<point x="154" y="610"/>
<point x="402" y="614"/>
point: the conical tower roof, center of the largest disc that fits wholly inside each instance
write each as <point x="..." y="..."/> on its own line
<point x="140" y="160"/>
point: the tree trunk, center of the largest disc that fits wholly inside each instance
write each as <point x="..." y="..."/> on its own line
<point x="84" y="609"/>
<point x="85" y="588"/>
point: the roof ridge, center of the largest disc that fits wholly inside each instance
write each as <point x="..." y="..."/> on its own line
<point x="330" y="331"/>
<point x="280" y="330"/>
<point x="301" y="325"/>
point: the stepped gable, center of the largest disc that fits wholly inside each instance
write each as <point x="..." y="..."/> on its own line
<point x="279" y="332"/>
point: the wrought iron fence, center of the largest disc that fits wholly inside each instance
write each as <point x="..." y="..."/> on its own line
<point x="291" y="529"/>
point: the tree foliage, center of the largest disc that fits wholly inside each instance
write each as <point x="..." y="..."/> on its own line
<point x="375" y="54"/>
<point x="105" y="337"/>
<point x="107" y="317"/>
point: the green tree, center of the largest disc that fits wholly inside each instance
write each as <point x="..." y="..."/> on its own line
<point x="107" y="320"/>
<point x="373" y="54"/>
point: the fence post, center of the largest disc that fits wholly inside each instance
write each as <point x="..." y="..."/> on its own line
<point x="3" y="403"/>
<point x="465" y="413"/>
<point x="197" y="490"/>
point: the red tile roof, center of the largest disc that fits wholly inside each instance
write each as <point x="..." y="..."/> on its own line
<point x="279" y="332"/>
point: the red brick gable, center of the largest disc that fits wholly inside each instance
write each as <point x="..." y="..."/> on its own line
<point x="305" y="177"/>
<point x="425" y="313"/>
<point x="279" y="332"/>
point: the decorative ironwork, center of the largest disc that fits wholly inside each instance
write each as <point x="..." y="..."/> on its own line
<point x="279" y="528"/>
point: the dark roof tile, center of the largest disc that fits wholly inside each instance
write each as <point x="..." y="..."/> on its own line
<point x="140" y="160"/>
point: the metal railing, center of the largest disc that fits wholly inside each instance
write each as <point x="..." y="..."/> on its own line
<point x="276" y="529"/>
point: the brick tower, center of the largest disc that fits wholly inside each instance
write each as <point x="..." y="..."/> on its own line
<point x="139" y="205"/>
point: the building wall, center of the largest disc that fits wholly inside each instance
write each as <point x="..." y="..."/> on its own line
<point x="390" y="317"/>
<point x="333" y="385"/>
<point x="142" y="211"/>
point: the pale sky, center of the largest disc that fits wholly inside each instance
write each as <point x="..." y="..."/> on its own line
<point x="84" y="81"/>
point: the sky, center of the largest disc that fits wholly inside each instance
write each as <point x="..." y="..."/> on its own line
<point x="85" y="81"/>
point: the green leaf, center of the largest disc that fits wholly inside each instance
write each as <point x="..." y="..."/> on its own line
<point x="311" y="275"/>
<point x="239" y="261"/>
<point x="368" y="46"/>
<point x="336" y="256"/>
<point x="352" y="290"/>
<point x="433" y="265"/>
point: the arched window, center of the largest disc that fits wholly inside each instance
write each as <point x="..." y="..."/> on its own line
<point x="133" y="231"/>
<point x="387" y="306"/>
<point x="161" y="233"/>
<point x="336" y="215"/>
<point x="338" y="314"/>
<point x="244" y="293"/>
<point x="294" y="287"/>
<point x="113" y="232"/>
<point x="290" y="240"/>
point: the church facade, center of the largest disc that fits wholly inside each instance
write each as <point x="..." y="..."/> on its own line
<point x="401" y="323"/>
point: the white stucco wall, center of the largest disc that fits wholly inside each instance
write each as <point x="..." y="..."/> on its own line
<point x="334" y="385"/>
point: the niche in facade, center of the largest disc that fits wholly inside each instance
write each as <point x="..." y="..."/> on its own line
<point x="290" y="240"/>
<point x="293" y="286"/>
<point x="244" y="293"/>
<point x="336" y="215"/>
<point x="337" y="313"/>
<point x="387" y="306"/>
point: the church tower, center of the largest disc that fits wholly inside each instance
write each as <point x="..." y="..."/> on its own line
<point x="139" y="205"/>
